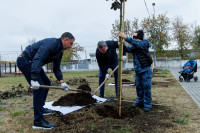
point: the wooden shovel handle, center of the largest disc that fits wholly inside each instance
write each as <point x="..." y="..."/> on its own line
<point x="105" y="80"/>
<point x="61" y="88"/>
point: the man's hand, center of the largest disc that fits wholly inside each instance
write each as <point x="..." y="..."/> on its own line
<point x="120" y="34"/>
<point x="107" y="76"/>
<point x="64" y="85"/>
<point x="35" y="85"/>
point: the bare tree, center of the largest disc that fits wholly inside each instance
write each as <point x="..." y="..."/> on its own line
<point x="129" y="28"/>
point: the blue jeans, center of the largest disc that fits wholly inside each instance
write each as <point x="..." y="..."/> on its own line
<point x="103" y="75"/>
<point x="143" y="88"/>
<point x="40" y="95"/>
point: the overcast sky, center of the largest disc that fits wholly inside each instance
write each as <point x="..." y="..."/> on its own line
<point x="88" y="20"/>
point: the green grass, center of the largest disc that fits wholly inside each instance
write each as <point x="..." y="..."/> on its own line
<point x="15" y="113"/>
<point x="182" y="120"/>
<point x="17" y="102"/>
<point x="124" y="129"/>
<point x="92" y="127"/>
<point x="1" y="122"/>
<point x="18" y="112"/>
<point x="1" y="108"/>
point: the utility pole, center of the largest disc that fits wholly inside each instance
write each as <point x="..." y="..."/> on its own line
<point x="85" y="54"/>
<point x="154" y="31"/>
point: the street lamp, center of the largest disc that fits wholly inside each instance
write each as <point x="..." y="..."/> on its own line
<point x="154" y="31"/>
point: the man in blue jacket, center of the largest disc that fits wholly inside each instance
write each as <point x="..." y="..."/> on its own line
<point x="142" y="66"/>
<point x="107" y="58"/>
<point x="30" y="63"/>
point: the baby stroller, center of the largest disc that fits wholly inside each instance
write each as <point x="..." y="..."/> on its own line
<point x="187" y="73"/>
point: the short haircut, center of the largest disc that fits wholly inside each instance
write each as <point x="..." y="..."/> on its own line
<point x="68" y="35"/>
<point x="101" y="44"/>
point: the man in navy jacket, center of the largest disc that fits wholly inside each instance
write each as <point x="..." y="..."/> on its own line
<point x="107" y="58"/>
<point x="30" y="63"/>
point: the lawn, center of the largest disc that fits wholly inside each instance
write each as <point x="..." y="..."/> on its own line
<point x="173" y="109"/>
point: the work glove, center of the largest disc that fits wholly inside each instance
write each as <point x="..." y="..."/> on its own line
<point x="35" y="85"/>
<point x="107" y="76"/>
<point x="64" y="85"/>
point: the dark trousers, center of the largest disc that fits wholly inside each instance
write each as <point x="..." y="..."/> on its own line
<point x="40" y="95"/>
<point x="103" y="75"/>
<point x="143" y="88"/>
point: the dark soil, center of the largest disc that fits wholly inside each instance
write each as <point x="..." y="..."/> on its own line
<point x="16" y="91"/>
<point x="84" y="88"/>
<point x="77" y="81"/>
<point x="168" y="82"/>
<point x="92" y="76"/>
<point x="104" y="117"/>
<point x="126" y="80"/>
<point x="75" y="99"/>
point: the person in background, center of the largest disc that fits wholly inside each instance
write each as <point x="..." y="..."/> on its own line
<point x="107" y="58"/>
<point x="142" y="65"/>
<point x="30" y="63"/>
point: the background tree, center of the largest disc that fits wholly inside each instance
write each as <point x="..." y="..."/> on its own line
<point x="196" y="39"/>
<point x="73" y="52"/>
<point x="162" y="27"/>
<point x="129" y="28"/>
<point x="181" y="35"/>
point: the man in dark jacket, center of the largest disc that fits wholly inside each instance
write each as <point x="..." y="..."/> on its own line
<point x="107" y="58"/>
<point x="142" y="66"/>
<point x="30" y="63"/>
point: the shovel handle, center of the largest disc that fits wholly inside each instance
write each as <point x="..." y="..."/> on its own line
<point x="105" y="80"/>
<point x="57" y="87"/>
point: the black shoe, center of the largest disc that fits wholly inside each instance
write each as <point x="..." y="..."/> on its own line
<point x="136" y="105"/>
<point x="147" y="109"/>
<point x="47" y="111"/>
<point x="43" y="124"/>
<point x="101" y="96"/>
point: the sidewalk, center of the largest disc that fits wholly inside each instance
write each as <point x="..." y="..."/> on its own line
<point x="192" y="88"/>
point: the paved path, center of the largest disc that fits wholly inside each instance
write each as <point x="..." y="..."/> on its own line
<point x="192" y="88"/>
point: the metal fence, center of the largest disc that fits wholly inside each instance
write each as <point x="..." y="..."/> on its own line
<point x="164" y="62"/>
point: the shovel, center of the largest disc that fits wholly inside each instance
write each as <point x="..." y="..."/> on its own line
<point x="61" y="88"/>
<point x="105" y="80"/>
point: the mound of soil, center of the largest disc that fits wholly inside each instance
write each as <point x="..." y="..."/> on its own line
<point x="75" y="99"/>
<point x="84" y="88"/>
<point x="77" y="81"/>
<point x="112" y="111"/>
<point x="104" y="117"/>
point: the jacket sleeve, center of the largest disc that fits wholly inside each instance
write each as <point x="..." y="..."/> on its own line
<point x="128" y="49"/>
<point x="138" y="44"/>
<point x="38" y="60"/>
<point x="100" y="63"/>
<point x="56" y="68"/>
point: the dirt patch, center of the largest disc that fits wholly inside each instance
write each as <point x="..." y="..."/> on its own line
<point x="105" y="117"/>
<point x="16" y="91"/>
<point x="92" y="76"/>
<point x="160" y="83"/>
<point x="126" y="80"/>
<point x="73" y="81"/>
<point x="75" y="99"/>
<point x="84" y="88"/>
<point x="112" y="111"/>
<point x="77" y="81"/>
<point x="166" y="83"/>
